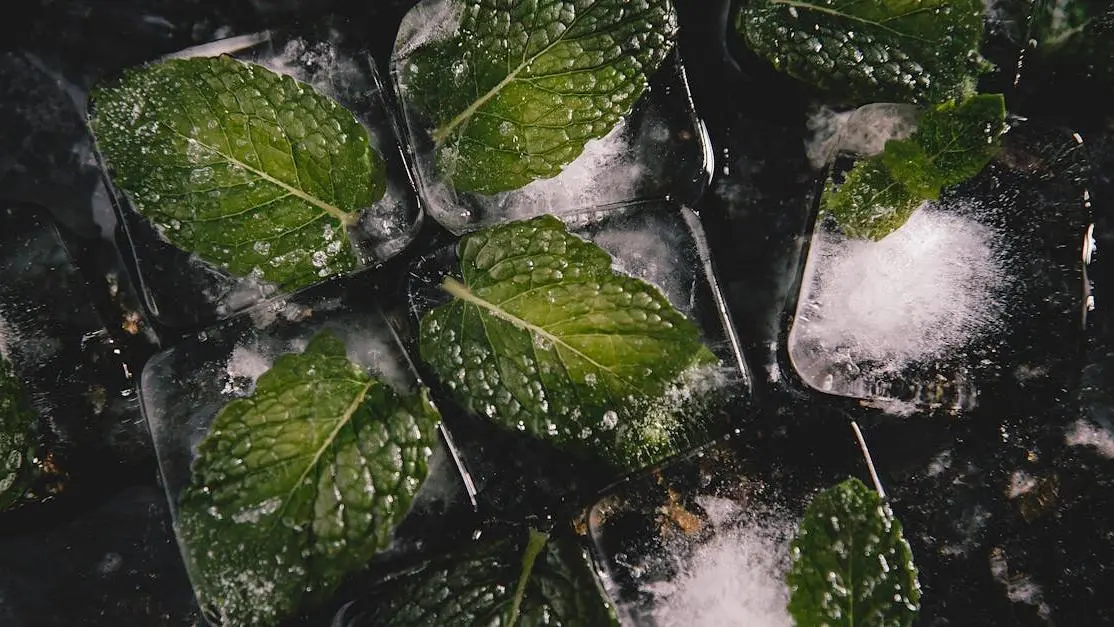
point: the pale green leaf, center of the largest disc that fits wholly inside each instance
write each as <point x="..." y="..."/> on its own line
<point x="300" y="484"/>
<point x="516" y="92"/>
<point x="255" y="172"/>
<point x="953" y="143"/>
<point x="919" y="51"/>
<point x="543" y="336"/>
<point x="851" y="566"/>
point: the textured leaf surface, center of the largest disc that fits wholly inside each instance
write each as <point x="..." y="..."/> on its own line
<point x="550" y="580"/>
<point x="543" y="336"/>
<point x="300" y="484"/>
<point x="920" y="51"/>
<point x="16" y="421"/>
<point x="851" y="566"/>
<point x="522" y="85"/>
<point x="953" y="142"/>
<point x="253" y="171"/>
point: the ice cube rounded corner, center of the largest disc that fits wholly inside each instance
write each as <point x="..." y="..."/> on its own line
<point x="656" y="242"/>
<point x="185" y="388"/>
<point x="979" y="293"/>
<point x="183" y="291"/>
<point x="659" y="150"/>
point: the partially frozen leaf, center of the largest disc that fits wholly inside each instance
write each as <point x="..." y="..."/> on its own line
<point x="300" y="484"/>
<point x="851" y="565"/>
<point x="253" y="171"/>
<point x="518" y="90"/>
<point x="953" y="142"/>
<point x="534" y="583"/>
<point x="544" y="336"/>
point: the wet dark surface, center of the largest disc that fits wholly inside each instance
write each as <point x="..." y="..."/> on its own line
<point x="101" y="551"/>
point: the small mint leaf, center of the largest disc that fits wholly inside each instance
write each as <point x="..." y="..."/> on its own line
<point x="252" y="170"/>
<point x="953" y="142"/>
<point x="851" y="566"/>
<point x="300" y="484"/>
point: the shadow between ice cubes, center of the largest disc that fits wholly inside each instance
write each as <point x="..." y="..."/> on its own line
<point x="184" y="292"/>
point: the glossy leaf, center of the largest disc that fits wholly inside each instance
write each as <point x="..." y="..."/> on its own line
<point x="953" y="143"/>
<point x="851" y="566"/>
<point x="252" y="170"/>
<point x="533" y="583"/>
<point x="543" y="336"/>
<point x="17" y="419"/>
<point x="516" y="92"/>
<point x="919" y="51"/>
<point x="300" y="484"/>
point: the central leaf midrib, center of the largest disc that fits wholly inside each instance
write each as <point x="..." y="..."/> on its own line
<point x="345" y="218"/>
<point x="462" y="292"/>
<point x="446" y="129"/>
<point x="345" y="418"/>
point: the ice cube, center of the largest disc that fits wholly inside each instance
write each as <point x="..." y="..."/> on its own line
<point x="659" y="151"/>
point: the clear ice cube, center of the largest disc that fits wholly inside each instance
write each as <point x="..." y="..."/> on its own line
<point x="658" y="151"/>
<point x="182" y="390"/>
<point x="981" y="290"/>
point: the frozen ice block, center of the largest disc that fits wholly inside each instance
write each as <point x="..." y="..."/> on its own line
<point x="184" y="388"/>
<point x="659" y="151"/>
<point x="979" y="291"/>
<point x="185" y="292"/>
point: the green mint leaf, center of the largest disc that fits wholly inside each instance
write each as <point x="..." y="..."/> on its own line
<point x="1072" y="27"/>
<point x="252" y="170"/>
<point x="851" y="567"/>
<point x="953" y="143"/>
<point x="300" y="484"/>
<point x="543" y="336"/>
<point x="919" y="51"/>
<point x="533" y="583"/>
<point x="518" y="90"/>
<point x="17" y="419"/>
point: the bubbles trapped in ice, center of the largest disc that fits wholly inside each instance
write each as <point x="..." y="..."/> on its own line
<point x="871" y="309"/>
<point x="737" y="577"/>
<point x="320" y="65"/>
<point x="863" y="131"/>
<point x="430" y="21"/>
<point x="1083" y="433"/>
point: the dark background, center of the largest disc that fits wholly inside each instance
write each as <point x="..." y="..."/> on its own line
<point x="101" y="552"/>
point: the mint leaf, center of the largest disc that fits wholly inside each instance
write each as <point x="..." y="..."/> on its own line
<point x="953" y="143"/>
<point x="850" y="564"/>
<point x="518" y="90"/>
<point x="544" y="337"/>
<point x="300" y="484"/>
<point x="17" y="419"/>
<point x="537" y="582"/>
<point x="919" y="51"/>
<point x="253" y="171"/>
